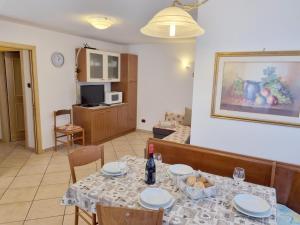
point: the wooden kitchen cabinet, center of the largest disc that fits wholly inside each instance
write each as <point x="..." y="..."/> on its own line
<point x="102" y="123"/>
<point x="98" y="66"/>
<point x="128" y="86"/>
<point x="98" y="126"/>
<point x="132" y="105"/>
<point x="123" y="118"/>
<point x="111" y="122"/>
<point x="105" y="123"/>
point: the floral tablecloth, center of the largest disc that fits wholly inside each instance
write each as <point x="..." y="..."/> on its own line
<point x="124" y="191"/>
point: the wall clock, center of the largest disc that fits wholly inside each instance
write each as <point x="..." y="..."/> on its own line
<point x="57" y="59"/>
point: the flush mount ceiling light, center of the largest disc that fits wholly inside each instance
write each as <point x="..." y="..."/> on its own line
<point x="174" y="22"/>
<point x="100" y="22"/>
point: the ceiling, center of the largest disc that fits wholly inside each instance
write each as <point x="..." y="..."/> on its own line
<point x="69" y="16"/>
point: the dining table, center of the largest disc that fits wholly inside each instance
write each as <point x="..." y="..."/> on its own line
<point x="123" y="191"/>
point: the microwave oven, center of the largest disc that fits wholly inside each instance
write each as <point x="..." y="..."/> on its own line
<point x="113" y="97"/>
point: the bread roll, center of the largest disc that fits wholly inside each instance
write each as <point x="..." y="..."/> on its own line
<point x="203" y="179"/>
<point x="199" y="184"/>
<point x="207" y="184"/>
<point x="191" y="180"/>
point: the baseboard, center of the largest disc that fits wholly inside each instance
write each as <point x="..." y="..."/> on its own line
<point x="145" y="131"/>
<point x="107" y="139"/>
<point x="114" y="136"/>
<point x="49" y="149"/>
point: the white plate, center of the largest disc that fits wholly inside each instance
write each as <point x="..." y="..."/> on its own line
<point x="113" y="174"/>
<point x="251" y="203"/>
<point x="114" y="167"/>
<point x="255" y="215"/>
<point x="146" y="206"/>
<point x="155" y="197"/>
<point x="181" y="169"/>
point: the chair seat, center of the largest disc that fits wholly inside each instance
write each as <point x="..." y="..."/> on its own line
<point x="69" y="129"/>
<point x="286" y="216"/>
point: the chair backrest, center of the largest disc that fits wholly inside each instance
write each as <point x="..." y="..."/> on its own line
<point x="108" y="215"/>
<point x="61" y="113"/>
<point x="84" y="156"/>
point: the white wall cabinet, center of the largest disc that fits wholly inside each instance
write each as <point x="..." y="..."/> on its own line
<point x="98" y="66"/>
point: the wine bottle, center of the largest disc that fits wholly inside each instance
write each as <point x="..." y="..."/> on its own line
<point x="150" y="171"/>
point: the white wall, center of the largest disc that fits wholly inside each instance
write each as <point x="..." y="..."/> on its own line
<point x="164" y="84"/>
<point x="56" y="85"/>
<point x="243" y="25"/>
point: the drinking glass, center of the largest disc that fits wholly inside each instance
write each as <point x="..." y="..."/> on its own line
<point x="158" y="158"/>
<point x="158" y="161"/>
<point x="238" y="175"/>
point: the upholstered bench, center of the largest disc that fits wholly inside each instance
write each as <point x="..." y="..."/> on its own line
<point x="178" y="130"/>
<point x="285" y="178"/>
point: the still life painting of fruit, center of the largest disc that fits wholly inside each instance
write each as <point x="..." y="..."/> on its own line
<point x="271" y="88"/>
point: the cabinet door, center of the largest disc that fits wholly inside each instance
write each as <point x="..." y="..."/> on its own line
<point x="113" y="67"/>
<point x="111" y="122"/>
<point x="132" y="68"/>
<point x="123" y="118"/>
<point x="95" y="65"/>
<point x="99" y="129"/>
<point x="132" y="104"/>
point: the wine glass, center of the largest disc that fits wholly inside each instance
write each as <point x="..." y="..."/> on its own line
<point x="238" y="175"/>
<point x="158" y="160"/>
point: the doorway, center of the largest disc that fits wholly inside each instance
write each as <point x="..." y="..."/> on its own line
<point x="19" y="108"/>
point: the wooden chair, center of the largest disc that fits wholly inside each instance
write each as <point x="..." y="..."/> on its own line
<point x="108" y="215"/>
<point x="70" y="131"/>
<point x="81" y="157"/>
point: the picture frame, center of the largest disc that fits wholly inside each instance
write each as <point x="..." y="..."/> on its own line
<point x="262" y="87"/>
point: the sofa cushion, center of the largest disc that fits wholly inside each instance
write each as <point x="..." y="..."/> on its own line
<point x="167" y="124"/>
<point x="286" y="216"/>
<point x="180" y="136"/>
<point x="170" y="116"/>
<point x="187" y="117"/>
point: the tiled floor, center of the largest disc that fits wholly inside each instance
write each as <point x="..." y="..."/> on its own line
<point x="31" y="185"/>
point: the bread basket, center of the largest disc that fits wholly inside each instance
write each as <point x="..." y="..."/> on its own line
<point x="197" y="192"/>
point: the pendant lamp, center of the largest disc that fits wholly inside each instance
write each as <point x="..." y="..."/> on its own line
<point x="172" y="22"/>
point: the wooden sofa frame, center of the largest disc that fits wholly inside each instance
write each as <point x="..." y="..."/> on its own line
<point x="285" y="178"/>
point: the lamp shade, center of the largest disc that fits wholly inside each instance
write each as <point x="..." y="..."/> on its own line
<point x="172" y="22"/>
<point x="100" y="22"/>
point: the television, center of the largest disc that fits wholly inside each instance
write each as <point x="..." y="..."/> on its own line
<point x="92" y="95"/>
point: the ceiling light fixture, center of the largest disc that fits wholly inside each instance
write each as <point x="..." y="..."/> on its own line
<point x="100" y="22"/>
<point x="174" y="22"/>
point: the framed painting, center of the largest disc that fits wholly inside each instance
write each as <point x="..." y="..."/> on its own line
<point x="257" y="86"/>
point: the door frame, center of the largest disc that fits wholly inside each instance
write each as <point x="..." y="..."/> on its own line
<point x="7" y="46"/>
